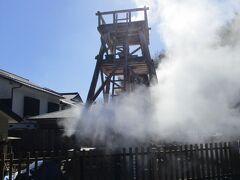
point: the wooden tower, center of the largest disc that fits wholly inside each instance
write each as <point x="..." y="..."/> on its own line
<point x="124" y="60"/>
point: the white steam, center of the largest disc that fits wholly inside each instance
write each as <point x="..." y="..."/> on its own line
<point x="198" y="89"/>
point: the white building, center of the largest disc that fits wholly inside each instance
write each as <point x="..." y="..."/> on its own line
<point x="21" y="99"/>
<point x="26" y="98"/>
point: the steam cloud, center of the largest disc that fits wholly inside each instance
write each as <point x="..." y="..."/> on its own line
<point x="198" y="93"/>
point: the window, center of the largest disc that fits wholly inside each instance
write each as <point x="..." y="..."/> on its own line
<point x="52" y="107"/>
<point x="31" y="106"/>
<point x="6" y="103"/>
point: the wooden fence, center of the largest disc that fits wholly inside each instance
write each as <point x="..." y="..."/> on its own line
<point x="215" y="161"/>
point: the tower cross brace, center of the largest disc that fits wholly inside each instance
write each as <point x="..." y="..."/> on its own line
<point x="124" y="60"/>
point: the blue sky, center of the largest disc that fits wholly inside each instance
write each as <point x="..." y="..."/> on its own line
<point x="53" y="42"/>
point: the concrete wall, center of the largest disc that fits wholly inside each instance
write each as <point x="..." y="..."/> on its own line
<point x="20" y="93"/>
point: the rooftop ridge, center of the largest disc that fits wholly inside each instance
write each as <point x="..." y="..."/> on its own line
<point x="69" y="93"/>
<point x="9" y="73"/>
<point x="27" y="82"/>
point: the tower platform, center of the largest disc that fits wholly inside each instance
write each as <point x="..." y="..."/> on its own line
<point x="124" y="59"/>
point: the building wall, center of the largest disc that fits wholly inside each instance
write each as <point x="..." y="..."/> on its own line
<point x="20" y="93"/>
<point x="5" y="90"/>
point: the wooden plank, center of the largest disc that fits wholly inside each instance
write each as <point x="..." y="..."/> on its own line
<point x="85" y="165"/>
<point x="99" y="18"/>
<point x="111" y="166"/>
<point x="11" y="166"/>
<point x="131" y="163"/>
<point x="172" y="159"/>
<point x="207" y="161"/>
<point x="197" y="160"/>
<point x="19" y="167"/>
<point x="154" y="164"/>
<point x="212" y="161"/>
<point x="28" y="162"/>
<point x="105" y="82"/>
<point x="231" y="160"/>
<point x="124" y="165"/>
<point x="102" y="21"/>
<point x="187" y="162"/>
<point x="91" y="168"/>
<point x="235" y="161"/>
<point x="122" y="11"/>
<point x="149" y="163"/>
<point x="160" y="161"/>
<point x="203" y="175"/>
<point x="225" y="170"/>
<point x="177" y="157"/>
<point x="142" y="164"/>
<point x="96" y="73"/>
<point x="35" y="160"/>
<point x="227" y="159"/>
<point x="192" y="160"/>
<point x="52" y="155"/>
<point x="182" y="166"/>
<point x="2" y="167"/>
<point x="221" y="159"/>
<point x="44" y="155"/>
<point x="136" y="50"/>
<point x="136" y="164"/>
<point x="132" y="29"/>
<point x="145" y="15"/>
<point x="97" y="165"/>
<point x="108" y="165"/>
<point x="81" y="166"/>
<point x="165" y="162"/>
<point x="217" y="155"/>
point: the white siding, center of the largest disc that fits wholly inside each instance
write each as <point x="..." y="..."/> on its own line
<point x="43" y="105"/>
<point x="18" y="102"/>
<point x="5" y="88"/>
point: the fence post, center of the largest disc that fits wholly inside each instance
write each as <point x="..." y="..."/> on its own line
<point x="81" y="167"/>
<point x="217" y="159"/>
<point x="117" y="166"/>
<point x="75" y="165"/>
<point x="2" y="165"/>
<point x="149" y="161"/>
<point x="234" y="149"/>
<point x="11" y="167"/>
<point x="19" y="162"/>
<point x="28" y="163"/>
<point x="213" y="172"/>
<point x="154" y="165"/>
<point x="142" y="164"/>
<point x="182" y="163"/>
<point x="136" y="164"/>
<point x="207" y="161"/>
<point x="187" y="161"/>
<point x="124" y="165"/>
<point x="193" y="164"/>
<point x="172" y="159"/>
<point x="131" y="168"/>
<point x="197" y="160"/>
<point x="35" y="161"/>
